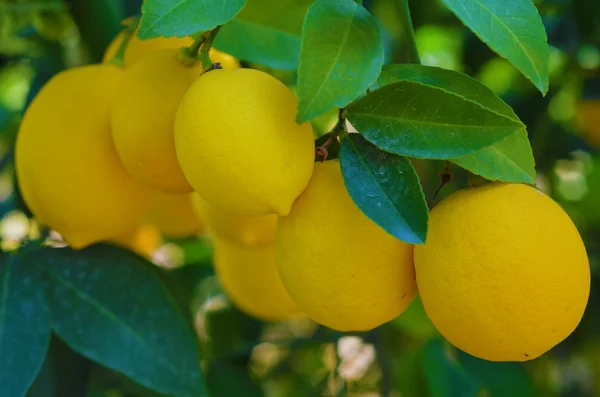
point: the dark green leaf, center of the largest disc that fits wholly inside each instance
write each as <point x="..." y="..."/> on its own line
<point x="500" y="379"/>
<point x="414" y="119"/>
<point x="109" y="307"/>
<point x="457" y="83"/>
<point x="508" y="160"/>
<point x="386" y="188"/>
<point x="445" y="377"/>
<point x="24" y="325"/>
<point x="513" y="29"/>
<point x="340" y="57"/>
<point x="64" y="373"/>
<point x="266" y="32"/>
<point x="184" y="17"/>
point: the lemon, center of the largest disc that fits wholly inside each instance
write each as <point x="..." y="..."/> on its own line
<point x="504" y="274"/>
<point x="142" y="118"/>
<point x="249" y="277"/>
<point x="174" y="216"/>
<point x="238" y="144"/>
<point x="137" y="49"/>
<point x="247" y="230"/>
<point x="68" y="170"/>
<point x="340" y="268"/>
<point x="143" y="240"/>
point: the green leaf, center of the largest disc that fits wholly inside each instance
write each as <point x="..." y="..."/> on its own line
<point x="340" y="57"/>
<point x="411" y="118"/>
<point x="444" y="375"/>
<point x="513" y="29"/>
<point x="386" y="188"/>
<point x="180" y="18"/>
<point x="457" y="83"/>
<point x="500" y="379"/>
<point x="108" y="306"/>
<point x="24" y="325"/>
<point x="508" y="160"/>
<point x="266" y="32"/>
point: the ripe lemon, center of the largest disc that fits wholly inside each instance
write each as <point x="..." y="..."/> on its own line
<point x="238" y="144"/>
<point x="249" y="277"/>
<point x="340" y="268"/>
<point x="143" y="240"/>
<point x="174" y="216"/>
<point x="137" y="49"/>
<point x="142" y="118"/>
<point x="67" y="167"/>
<point x="504" y="274"/>
<point x="588" y="114"/>
<point x="239" y="229"/>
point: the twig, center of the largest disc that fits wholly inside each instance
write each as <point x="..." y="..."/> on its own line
<point x="445" y="178"/>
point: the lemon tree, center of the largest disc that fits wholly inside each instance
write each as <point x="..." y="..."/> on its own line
<point x="298" y="197"/>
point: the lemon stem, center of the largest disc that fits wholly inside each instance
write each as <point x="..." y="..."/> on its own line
<point x="445" y="178"/>
<point x="204" y="51"/>
<point x="119" y="57"/>
<point x="192" y="51"/>
<point x="321" y="153"/>
<point x="199" y="49"/>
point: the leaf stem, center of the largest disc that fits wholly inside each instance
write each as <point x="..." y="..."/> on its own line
<point x="409" y="33"/>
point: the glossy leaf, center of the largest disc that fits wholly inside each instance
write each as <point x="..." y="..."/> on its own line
<point x="267" y="32"/>
<point x="499" y="379"/>
<point x="453" y="82"/>
<point x="386" y="188"/>
<point x="508" y="160"/>
<point x="423" y="121"/>
<point x="340" y="57"/>
<point x="445" y="377"/>
<point x="513" y="29"/>
<point x="180" y="18"/>
<point x="24" y="325"/>
<point x="109" y="307"/>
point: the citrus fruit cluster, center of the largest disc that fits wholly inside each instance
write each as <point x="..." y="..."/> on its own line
<point x="105" y="150"/>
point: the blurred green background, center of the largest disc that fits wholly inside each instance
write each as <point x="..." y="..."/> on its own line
<point x="406" y="357"/>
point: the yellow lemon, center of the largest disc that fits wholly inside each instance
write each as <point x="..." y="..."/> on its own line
<point x="143" y="240"/>
<point x="340" y="268"/>
<point x="174" y="216"/>
<point x="68" y="170"/>
<point x="249" y="277"/>
<point x="137" y="49"/>
<point x="588" y="115"/>
<point x="142" y="118"/>
<point x="238" y="144"/>
<point x="240" y="229"/>
<point x="504" y="274"/>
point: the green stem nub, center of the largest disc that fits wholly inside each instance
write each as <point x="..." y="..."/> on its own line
<point x="128" y="31"/>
